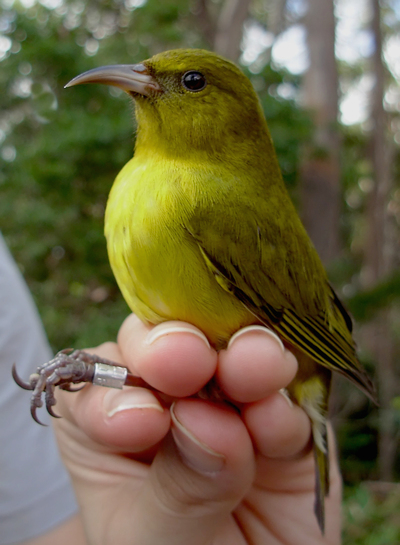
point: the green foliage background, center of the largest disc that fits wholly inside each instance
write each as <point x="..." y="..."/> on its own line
<point x="71" y="143"/>
<point x="60" y="150"/>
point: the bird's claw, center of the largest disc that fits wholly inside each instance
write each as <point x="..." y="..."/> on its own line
<point x="21" y="383"/>
<point x="67" y="367"/>
<point x="73" y="367"/>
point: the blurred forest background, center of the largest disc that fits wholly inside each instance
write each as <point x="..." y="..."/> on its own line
<point x="327" y="74"/>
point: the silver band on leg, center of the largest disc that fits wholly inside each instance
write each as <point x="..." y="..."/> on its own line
<point x="110" y="376"/>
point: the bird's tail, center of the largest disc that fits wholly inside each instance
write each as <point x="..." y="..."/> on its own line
<point x="310" y="388"/>
<point x="321" y="481"/>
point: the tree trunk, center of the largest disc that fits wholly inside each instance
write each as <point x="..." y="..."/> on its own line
<point x="320" y="173"/>
<point x="205" y="20"/>
<point x="229" y="28"/>
<point x="378" y="259"/>
<point x="223" y="29"/>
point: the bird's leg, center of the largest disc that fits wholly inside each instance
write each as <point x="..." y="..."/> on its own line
<point x="73" y="367"/>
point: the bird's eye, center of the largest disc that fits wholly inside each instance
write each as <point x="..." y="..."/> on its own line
<point x="194" y="81"/>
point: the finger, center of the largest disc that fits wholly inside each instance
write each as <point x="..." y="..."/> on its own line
<point x="255" y="365"/>
<point x="297" y="474"/>
<point x="279" y="429"/>
<point x="287" y="505"/>
<point x="174" y="357"/>
<point x="196" y="482"/>
<point x="131" y="419"/>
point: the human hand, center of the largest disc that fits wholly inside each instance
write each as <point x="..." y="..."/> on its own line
<point x="223" y="475"/>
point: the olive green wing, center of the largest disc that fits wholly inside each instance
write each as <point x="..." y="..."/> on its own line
<point x="278" y="276"/>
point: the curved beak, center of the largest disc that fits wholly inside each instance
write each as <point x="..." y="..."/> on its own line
<point x="132" y="78"/>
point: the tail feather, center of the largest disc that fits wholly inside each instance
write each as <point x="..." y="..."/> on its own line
<point x="311" y="389"/>
<point x="321" y="483"/>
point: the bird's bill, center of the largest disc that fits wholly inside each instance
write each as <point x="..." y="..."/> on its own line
<point x="132" y="78"/>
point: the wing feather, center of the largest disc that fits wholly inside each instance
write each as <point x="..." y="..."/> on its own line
<point x="324" y="335"/>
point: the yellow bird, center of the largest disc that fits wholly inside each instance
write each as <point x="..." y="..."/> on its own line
<point x="200" y="227"/>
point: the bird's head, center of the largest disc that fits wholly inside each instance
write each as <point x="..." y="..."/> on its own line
<point x="188" y="101"/>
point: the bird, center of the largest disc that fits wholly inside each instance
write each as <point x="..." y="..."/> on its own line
<point x="200" y="227"/>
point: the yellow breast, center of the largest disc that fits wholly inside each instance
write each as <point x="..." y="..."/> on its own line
<point x="156" y="262"/>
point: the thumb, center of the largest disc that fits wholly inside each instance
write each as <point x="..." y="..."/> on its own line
<point x="198" y="477"/>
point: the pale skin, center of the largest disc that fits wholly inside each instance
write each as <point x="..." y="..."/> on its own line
<point x="224" y="476"/>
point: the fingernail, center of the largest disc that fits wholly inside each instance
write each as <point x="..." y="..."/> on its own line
<point x="195" y="453"/>
<point x="116" y="401"/>
<point x="286" y="395"/>
<point x="256" y="328"/>
<point x="167" y="328"/>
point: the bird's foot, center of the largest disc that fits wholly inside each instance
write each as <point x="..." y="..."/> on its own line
<point x="73" y="367"/>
